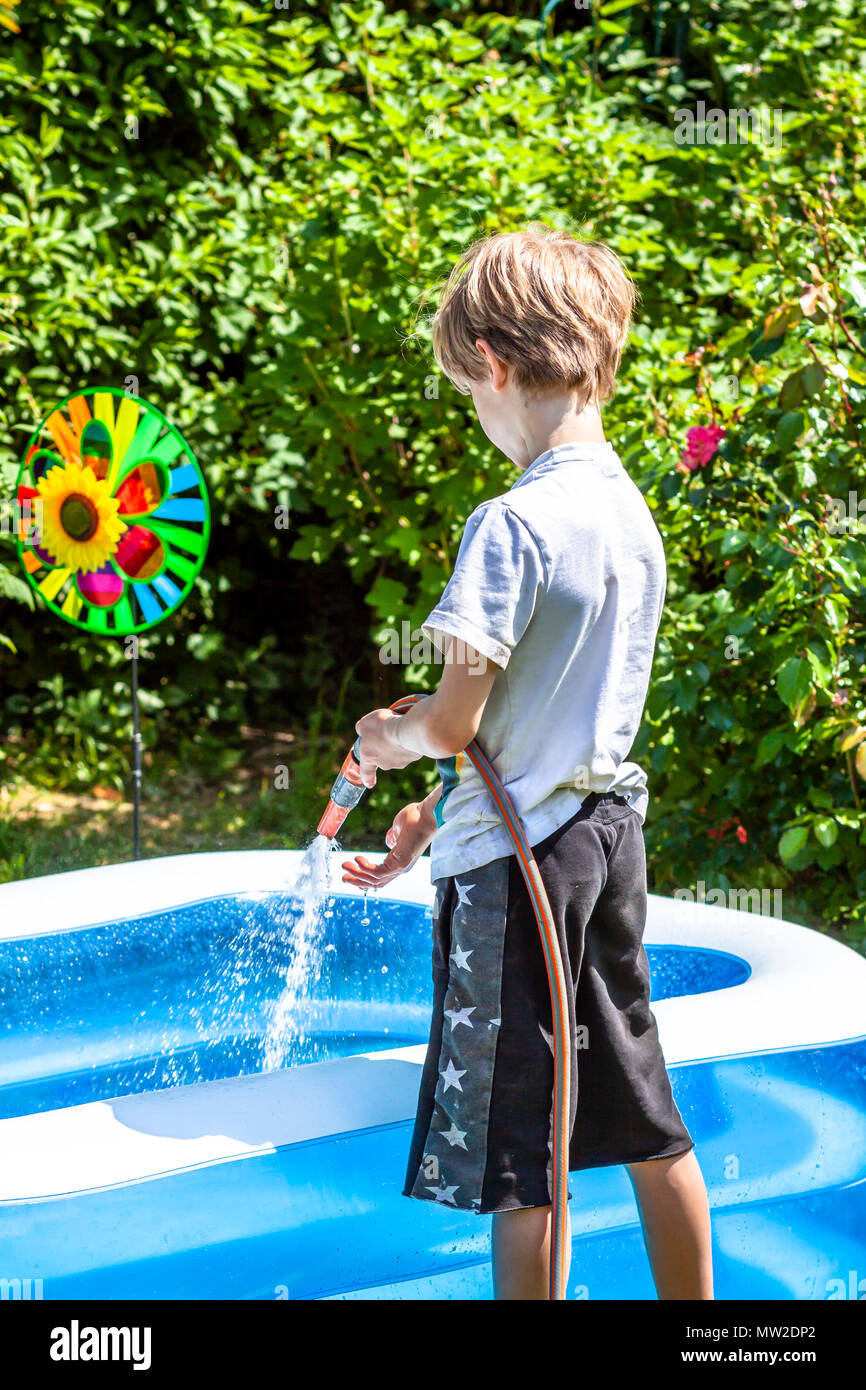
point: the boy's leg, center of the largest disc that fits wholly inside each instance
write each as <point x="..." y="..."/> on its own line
<point x="521" y="1253"/>
<point x="675" y="1217"/>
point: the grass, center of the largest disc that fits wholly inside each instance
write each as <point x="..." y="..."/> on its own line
<point x="185" y="809"/>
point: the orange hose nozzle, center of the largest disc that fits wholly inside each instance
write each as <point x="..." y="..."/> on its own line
<point x="345" y="793"/>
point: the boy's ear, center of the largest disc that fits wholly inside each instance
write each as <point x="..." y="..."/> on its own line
<point x="497" y="368"/>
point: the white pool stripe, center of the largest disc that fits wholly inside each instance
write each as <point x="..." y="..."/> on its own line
<point x="133" y="1138"/>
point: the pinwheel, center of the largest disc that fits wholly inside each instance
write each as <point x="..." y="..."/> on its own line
<point x="113" y="513"/>
<point x="113" y="522"/>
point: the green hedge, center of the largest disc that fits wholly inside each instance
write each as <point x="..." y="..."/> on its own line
<point x="248" y="210"/>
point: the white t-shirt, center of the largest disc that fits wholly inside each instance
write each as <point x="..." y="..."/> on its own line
<point x="561" y="582"/>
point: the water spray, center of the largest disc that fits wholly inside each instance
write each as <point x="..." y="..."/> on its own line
<point x="345" y="794"/>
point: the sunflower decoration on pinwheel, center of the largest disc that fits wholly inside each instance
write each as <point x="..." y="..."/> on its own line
<point x="80" y="525"/>
<point x="113" y="513"/>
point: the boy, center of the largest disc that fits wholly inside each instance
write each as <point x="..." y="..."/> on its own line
<point x="548" y="625"/>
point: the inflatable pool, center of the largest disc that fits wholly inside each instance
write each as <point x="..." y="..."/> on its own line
<point x="145" y="1154"/>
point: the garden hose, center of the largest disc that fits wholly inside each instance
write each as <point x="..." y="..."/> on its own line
<point x="346" y="793"/>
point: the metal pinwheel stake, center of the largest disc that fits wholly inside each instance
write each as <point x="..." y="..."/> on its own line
<point x="113" y="522"/>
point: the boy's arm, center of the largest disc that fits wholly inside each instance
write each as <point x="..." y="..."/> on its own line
<point x="437" y="727"/>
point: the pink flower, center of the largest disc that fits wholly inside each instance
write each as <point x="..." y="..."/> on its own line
<point x="702" y="442"/>
<point x="741" y="834"/>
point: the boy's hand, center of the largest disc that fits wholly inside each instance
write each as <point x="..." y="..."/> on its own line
<point x="409" y="836"/>
<point x="379" y="745"/>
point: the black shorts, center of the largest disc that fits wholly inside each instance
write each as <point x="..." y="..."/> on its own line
<point x="483" y="1128"/>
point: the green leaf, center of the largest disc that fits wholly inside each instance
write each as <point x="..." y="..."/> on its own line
<point x="388" y="597"/>
<point x="778" y="321"/>
<point x="826" y="833"/>
<point x="789" y="429"/>
<point x="793" y="841"/>
<point x="733" y="541"/>
<point x="855" y="285"/>
<point x="822" y="671"/>
<point x="819" y="797"/>
<point x="11" y="586"/>
<point x="802" y="384"/>
<point x="793" y="681"/>
<point x="770" y="746"/>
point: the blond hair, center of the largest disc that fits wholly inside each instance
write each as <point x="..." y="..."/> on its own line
<point x="554" y="308"/>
